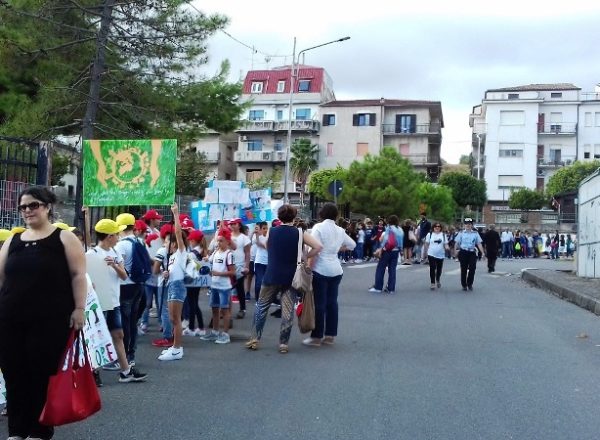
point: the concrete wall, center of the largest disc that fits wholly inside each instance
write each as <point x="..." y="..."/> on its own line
<point x="588" y="245"/>
<point x="589" y="130"/>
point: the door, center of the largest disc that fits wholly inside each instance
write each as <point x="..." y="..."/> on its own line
<point x="406" y="123"/>
<point x="541" y="118"/>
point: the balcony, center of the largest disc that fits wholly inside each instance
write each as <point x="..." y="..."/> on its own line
<point x="545" y="162"/>
<point x="557" y="128"/>
<point x="212" y="157"/>
<point x="590" y="96"/>
<point x="422" y="159"/>
<point x="279" y="189"/>
<point x="261" y="125"/>
<point x="260" y="156"/>
<point x="298" y="124"/>
<point x="418" y="129"/>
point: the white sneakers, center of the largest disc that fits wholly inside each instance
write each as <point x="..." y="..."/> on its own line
<point x="171" y="354"/>
<point x="187" y="332"/>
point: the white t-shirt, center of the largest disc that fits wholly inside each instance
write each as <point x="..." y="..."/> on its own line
<point x="437" y="241"/>
<point x="361" y="236"/>
<point x="220" y="260"/>
<point x="125" y="248"/>
<point x="333" y="238"/>
<point x="161" y="257"/>
<point x="177" y="263"/>
<point x="105" y="278"/>
<point x="239" y="256"/>
<point x="262" y="255"/>
<point x="253" y="247"/>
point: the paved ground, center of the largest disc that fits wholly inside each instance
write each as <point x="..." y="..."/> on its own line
<point x="507" y="361"/>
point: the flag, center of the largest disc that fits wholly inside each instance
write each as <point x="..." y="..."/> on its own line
<point x="129" y="172"/>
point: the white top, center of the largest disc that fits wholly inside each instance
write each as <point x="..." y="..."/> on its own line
<point x="253" y="247"/>
<point x="333" y="238"/>
<point x="437" y="242"/>
<point x="177" y="263"/>
<point x="125" y="248"/>
<point x="105" y="278"/>
<point x="506" y="236"/>
<point x="161" y="257"/>
<point x="155" y="244"/>
<point x="361" y="236"/>
<point x="239" y="257"/>
<point x="262" y="255"/>
<point x="220" y="260"/>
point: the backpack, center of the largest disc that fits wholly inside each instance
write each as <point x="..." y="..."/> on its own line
<point x="192" y="268"/>
<point x="141" y="267"/>
<point x="517" y="246"/>
<point x="391" y="243"/>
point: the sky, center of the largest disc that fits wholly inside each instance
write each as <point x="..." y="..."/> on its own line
<point x="447" y="51"/>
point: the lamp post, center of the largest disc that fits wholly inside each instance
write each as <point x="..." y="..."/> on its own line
<point x="293" y="76"/>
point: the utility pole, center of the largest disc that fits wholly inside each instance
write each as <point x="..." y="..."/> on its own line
<point x="91" y="111"/>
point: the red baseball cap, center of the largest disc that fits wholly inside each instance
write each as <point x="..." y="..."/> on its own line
<point x="165" y="230"/>
<point x="150" y="238"/>
<point x="196" y="235"/>
<point x="187" y="224"/>
<point x="225" y="233"/>
<point x="152" y="214"/>
<point x="234" y="221"/>
<point x="140" y="225"/>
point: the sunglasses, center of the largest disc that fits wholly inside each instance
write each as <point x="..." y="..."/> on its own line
<point x="437" y="226"/>
<point x="32" y="206"/>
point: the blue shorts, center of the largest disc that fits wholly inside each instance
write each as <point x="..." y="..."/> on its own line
<point x="113" y="319"/>
<point x="219" y="298"/>
<point x="176" y="291"/>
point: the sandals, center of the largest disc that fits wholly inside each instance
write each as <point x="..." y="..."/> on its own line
<point x="283" y="348"/>
<point x="329" y="340"/>
<point x="252" y="344"/>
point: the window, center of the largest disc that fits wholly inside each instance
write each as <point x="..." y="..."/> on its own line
<point x="279" y="115"/>
<point x="555" y="155"/>
<point x="330" y="149"/>
<point x="255" y="144"/>
<point x="302" y="114"/>
<point x="597" y="151"/>
<point x="586" y="155"/>
<point x="556" y="95"/>
<point x="328" y="119"/>
<point x="513" y="96"/>
<point x="588" y="119"/>
<point x="508" y="218"/>
<point x="280" y="86"/>
<point x="406" y="123"/>
<point x="257" y="87"/>
<point x="597" y="119"/>
<point x="363" y="119"/>
<point x="512" y="117"/>
<point x="587" y="151"/>
<point x="509" y="182"/>
<point x="252" y="175"/>
<point x="362" y="148"/>
<point x="256" y="115"/>
<point x="278" y="145"/>
<point x="556" y="121"/>
<point x="404" y="150"/>
<point x="510" y="153"/>
<point x="304" y="85"/>
<point x="71" y="191"/>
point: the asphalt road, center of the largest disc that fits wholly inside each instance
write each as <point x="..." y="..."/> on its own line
<point x="506" y="361"/>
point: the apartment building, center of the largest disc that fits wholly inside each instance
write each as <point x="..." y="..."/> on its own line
<point x="352" y="129"/>
<point x="589" y="125"/>
<point x="219" y="151"/>
<point x="262" y="136"/>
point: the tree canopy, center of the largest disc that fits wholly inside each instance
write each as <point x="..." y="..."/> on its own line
<point x="466" y="189"/>
<point x="135" y="62"/>
<point x="319" y="181"/>
<point x="192" y="173"/>
<point x="527" y="199"/>
<point x="568" y="178"/>
<point x="382" y="185"/>
<point x="437" y="201"/>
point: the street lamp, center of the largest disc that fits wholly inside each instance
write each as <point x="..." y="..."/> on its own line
<point x="293" y="76"/>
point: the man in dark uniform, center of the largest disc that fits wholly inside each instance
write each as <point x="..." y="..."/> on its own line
<point x="491" y="243"/>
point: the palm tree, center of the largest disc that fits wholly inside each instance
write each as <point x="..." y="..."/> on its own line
<point x="303" y="162"/>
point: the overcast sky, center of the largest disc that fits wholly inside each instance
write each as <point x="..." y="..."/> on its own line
<point x="448" y="51"/>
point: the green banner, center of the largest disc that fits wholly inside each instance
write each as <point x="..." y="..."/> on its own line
<point x="129" y="172"/>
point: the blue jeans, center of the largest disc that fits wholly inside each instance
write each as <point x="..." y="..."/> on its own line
<point x="359" y="251"/>
<point x="326" y="305"/>
<point x="389" y="261"/>
<point x="259" y="274"/>
<point x="151" y="293"/>
<point x="507" y="249"/>
<point x="163" y="312"/>
<point x="131" y="295"/>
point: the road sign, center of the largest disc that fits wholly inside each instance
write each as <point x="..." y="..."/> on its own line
<point x="335" y="188"/>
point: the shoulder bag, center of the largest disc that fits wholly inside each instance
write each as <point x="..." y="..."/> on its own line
<point x="302" y="283"/>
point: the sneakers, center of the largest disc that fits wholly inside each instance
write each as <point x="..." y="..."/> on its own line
<point x="439" y="285"/>
<point x="234" y="299"/>
<point x="133" y="376"/>
<point x="199" y="332"/>
<point x="210" y="336"/>
<point x="432" y="287"/>
<point x="163" y="342"/>
<point x="248" y="297"/>
<point x="98" y="379"/>
<point x="188" y="332"/>
<point x="142" y="328"/>
<point x="470" y="287"/>
<point x="172" y="354"/>
<point x="240" y="314"/>
<point x="113" y="366"/>
<point x="311" y="342"/>
<point x="223" y="338"/>
<point x="374" y="290"/>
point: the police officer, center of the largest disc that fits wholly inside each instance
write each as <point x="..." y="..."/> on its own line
<point x="467" y="241"/>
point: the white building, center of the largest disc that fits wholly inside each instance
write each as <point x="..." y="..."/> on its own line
<point x="589" y="125"/>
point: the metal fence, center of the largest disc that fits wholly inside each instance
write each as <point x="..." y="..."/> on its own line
<point x="9" y="199"/>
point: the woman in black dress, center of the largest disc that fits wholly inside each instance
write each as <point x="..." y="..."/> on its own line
<point x="42" y="281"/>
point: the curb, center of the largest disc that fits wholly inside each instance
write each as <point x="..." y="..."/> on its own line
<point x="577" y="298"/>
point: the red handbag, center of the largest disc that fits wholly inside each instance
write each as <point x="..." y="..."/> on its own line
<point x="72" y="391"/>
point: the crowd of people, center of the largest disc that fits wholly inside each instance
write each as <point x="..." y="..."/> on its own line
<point x="141" y="271"/>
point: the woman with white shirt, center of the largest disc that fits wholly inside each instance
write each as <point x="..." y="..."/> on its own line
<point x="327" y="275"/>
<point x="436" y="245"/>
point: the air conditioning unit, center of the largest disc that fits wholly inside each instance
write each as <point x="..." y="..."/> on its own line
<point x="243" y="138"/>
<point x="541" y="173"/>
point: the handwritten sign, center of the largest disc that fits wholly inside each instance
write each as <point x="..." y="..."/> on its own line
<point x="97" y="337"/>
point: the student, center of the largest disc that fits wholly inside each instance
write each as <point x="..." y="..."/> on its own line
<point x="176" y="292"/>
<point x="106" y="279"/>
<point x="223" y="269"/>
<point x="241" y="259"/>
<point x="262" y="257"/>
<point x="436" y="245"/>
<point x="198" y="248"/>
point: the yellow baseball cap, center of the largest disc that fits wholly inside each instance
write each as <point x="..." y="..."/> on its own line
<point x="126" y="219"/>
<point x="63" y="226"/>
<point x="4" y="234"/>
<point x="108" y="226"/>
<point x="17" y="230"/>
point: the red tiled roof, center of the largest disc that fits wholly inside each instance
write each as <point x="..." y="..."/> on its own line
<point x="537" y="88"/>
<point x="270" y="78"/>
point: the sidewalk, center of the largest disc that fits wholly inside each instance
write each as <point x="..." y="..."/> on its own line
<point x="585" y="292"/>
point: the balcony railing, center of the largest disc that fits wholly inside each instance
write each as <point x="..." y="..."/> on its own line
<point x="298" y="124"/>
<point x="590" y="96"/>
<point x="256" y="125"/>
<point x="260" y="156"/>
<point x="564" y="128"/>
<point x="278" y="187"/>
<point x="422" y="159"/>
<point x="393" y="129"/>
<point x="545" y="162"/>
<point x="212" y="156"/>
